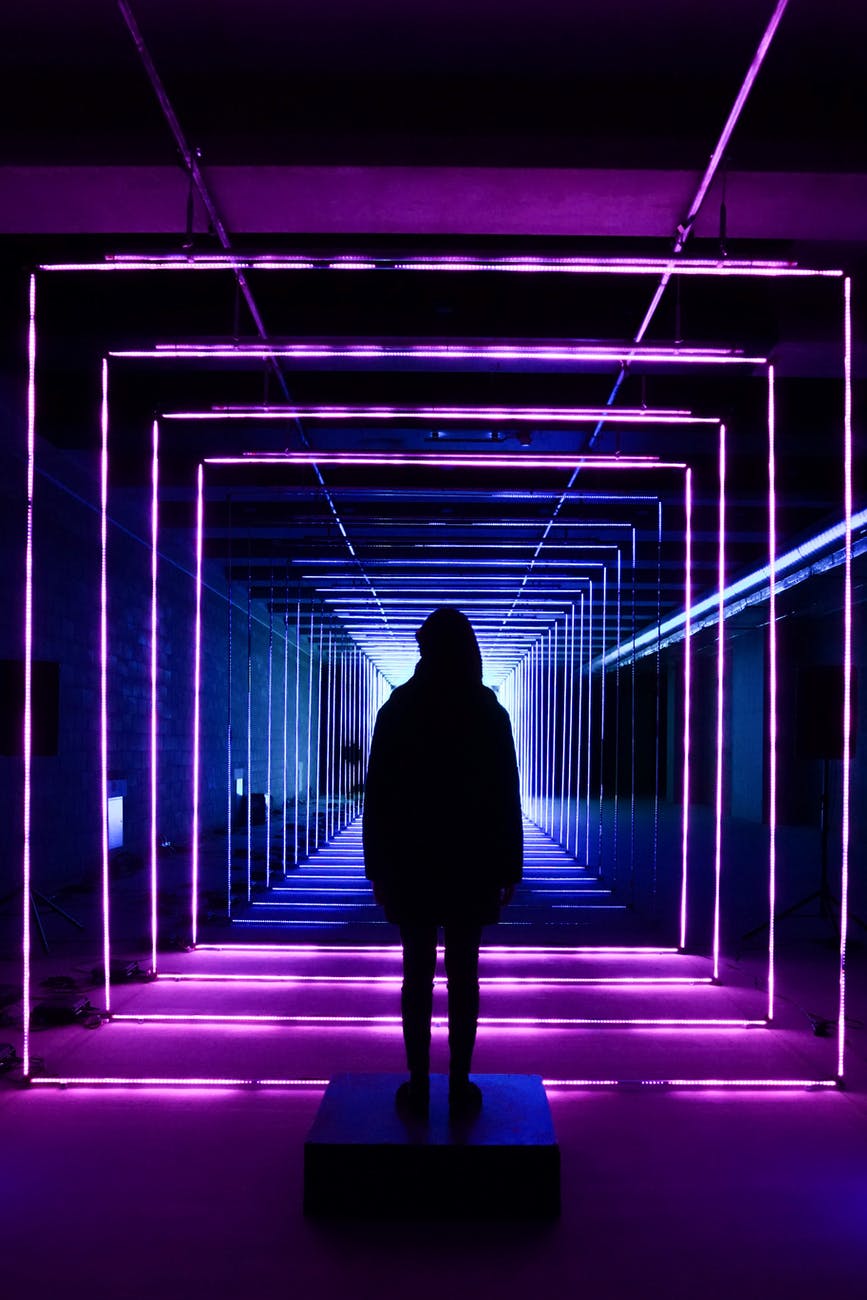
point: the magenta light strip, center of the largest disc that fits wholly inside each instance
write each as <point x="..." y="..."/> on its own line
<point x="103" y="683"/>
<point x="540" y="414"/>
<point x="772" y="691"/>
<point x="118" y="1081"/>
<point x="847" y="669"/>
<point x="564" y="265"/>
<point x="197" y="694"/>
<point x="687" y="704"/>
<point x="27" y="745"/>
<point x="394" y="950"/>
<point x="231" y="977"/>
<point x="439" y="1021"/>
<point x="440" y="352"/>
<point x="720" y="701"/>
<point x="425" y="461"/>
<point x="154" y="884"/>
<point x="154" y="1081"/>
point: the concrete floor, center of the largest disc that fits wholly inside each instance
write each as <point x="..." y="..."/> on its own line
<point x="167" y="1192"/>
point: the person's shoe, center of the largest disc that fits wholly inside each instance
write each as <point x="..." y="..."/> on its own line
<point x="465" y="1099"/>
<point x="412" y="1099"/>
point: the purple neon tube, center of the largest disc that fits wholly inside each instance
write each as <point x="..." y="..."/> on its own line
<point x="268" y="735"/>
<point x="309" y="737"/>
<point x="103" y="685"/>
<point x="720" y="702"/>
<point x="687" y="702"/>
<point x="297" y="703"/>
<point x="154" y="883"/>
<point x="197" y="694"/>
<point x="847" y="669"/>
<point x="248" y="780"/>
<point x="772" y="691"/>
<point x="589" y="722"/>
<point x="27" y="739"/>
<point x="285" y="720"/>
<point x="319" y="725"/>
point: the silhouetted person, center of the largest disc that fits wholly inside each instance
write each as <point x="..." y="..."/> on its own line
<point x="443" y="839"/>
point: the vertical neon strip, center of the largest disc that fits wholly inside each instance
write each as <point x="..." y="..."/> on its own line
<point x="550" y="733"/>
<point x="632" y="739"/>
<point x="580" y="729"/>
<point x="329" y="745"/>
<point x="618" y="637"/>
<point x="563" y="722"/>
<point x="197" y="706"/>
<point x="772" y="691"/>
<point x="658" y="717"/>
<point x="103" y="683"/>
<point x="155" y="478"/>
<point x="589" y="717"/>
<point x="309" y="735"/>
<point x="720" y="700"/>
<point x="601" y="861"/>
<point x="285" y="719"/>
<point x="687" y="699"/>
<point x="268" y="734"/>
<point x="249" y="780"/>
<point x="847" y="668"/>
<point x="297" y="702"/>
<point x="27" y="746"/>
<point x="571" y="708"/>
<point x="230" y="779"/>
<point x="319" y="727"/>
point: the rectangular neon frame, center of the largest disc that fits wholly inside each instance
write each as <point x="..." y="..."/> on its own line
<point x="454" y="461"/>
<point x="618" y="265"/>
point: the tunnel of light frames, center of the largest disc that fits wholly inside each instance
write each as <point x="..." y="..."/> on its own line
<point x="768" y="576"/>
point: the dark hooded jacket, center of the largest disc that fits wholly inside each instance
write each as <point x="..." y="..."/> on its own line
<point x="442" y="812"/>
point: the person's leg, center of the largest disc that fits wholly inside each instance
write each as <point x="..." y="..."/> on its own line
<point x="416" y="1004"/>
<point x="462" y="971"/>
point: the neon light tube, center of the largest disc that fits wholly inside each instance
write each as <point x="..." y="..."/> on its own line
<point x="468" y="414"/>
<point x="439" y="1021"/>
<point x="118" y="1081"/>
<point x="249" y="777"/>
<point x="153" y="701"/>
<point x="297" y="696"/>
<point x="847" y="669"/>
<point x="655" y="355"/>
<point x="103" y="684"/>
<point x="268" y="736"/>
<point x="27" y="739"/>
<point x="285" y="722"/>
<point x="309" y="737"/>
<point x="500" y="460"/>
<point x="197" y="693"/>
<point x="668" y="981"/>
<point x="772" y="692"/>
<point x="720" y="701"/>
<point x="687" y="706"/>
<point x="763" y="268"/>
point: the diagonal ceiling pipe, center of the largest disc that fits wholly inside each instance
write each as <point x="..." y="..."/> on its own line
<point x="681" y="235"/>
<point x="191" y="163"/>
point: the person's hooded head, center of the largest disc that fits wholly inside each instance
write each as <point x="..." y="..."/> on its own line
<point x="448" y="647"/>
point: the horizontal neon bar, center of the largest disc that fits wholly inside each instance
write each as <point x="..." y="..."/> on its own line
<point x="510" y="414"/>
<point x="441" y="1022"/>
<point x="449" y="460"/>
<point x="564" y="265"/>
<point x="118" y="1081"/>
<point x="396" y="951"/>
<point x="492" y="980"/>
<point x="442" y="352"/>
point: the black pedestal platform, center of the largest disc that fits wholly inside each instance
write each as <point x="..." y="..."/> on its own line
<point x="362" y="1159"/>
